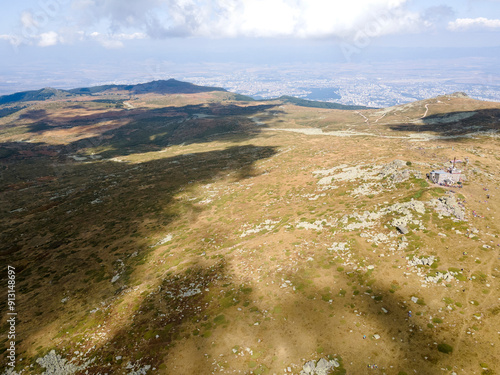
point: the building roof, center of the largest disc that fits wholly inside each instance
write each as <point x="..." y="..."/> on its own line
<point x="454" y="171"/>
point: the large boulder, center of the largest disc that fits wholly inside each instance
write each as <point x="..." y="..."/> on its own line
<point x="321" y="367"/>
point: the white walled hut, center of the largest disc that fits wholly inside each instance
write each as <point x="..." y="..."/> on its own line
<point x="451" y="176"/>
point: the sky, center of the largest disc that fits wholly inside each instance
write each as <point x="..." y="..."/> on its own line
<point x="73" y="33"/>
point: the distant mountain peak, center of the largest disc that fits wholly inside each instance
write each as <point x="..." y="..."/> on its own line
<point x="170" y="86"/>
<point x="458" y="94"/>
<point x="34" y="95"/>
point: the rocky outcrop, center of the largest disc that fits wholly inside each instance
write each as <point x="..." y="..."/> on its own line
<point x="449" y="206"/>
<point x="394" y="171"/>
<point x="339" y="247"/>
<point x="447" y="277"/>
<point x="55" y="364"/>
<point x="405" y="209"/>
<point x="421" y="261"/>
<point x="321" y="367"/>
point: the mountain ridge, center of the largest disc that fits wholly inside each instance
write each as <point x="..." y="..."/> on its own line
<point x="171" y="86"/>
<point x="318" y="104"/>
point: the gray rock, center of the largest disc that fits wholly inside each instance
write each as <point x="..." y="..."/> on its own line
<point x="448" y="206"/>
<point x="56" y="364"/>
<point x="308" y="368"/>
<point x="392" y="170"/>
<point x="400" y="176"/>
<point x="322" y="367"/>
<point x="402" y="229"/>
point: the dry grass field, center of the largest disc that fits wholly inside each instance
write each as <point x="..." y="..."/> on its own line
<point x="198" y="234"/>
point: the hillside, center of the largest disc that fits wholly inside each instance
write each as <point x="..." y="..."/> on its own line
<point x="170" y="86"/>
<point x="316" y="104"/>
<point x="196" y="233"/>
<point x="34" y="95"/>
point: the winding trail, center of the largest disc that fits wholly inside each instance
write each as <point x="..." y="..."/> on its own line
<point x="426" y="111"/>
<point x="381" y="117"/>
<point x="128" y="105"/>
<point x="422" y="137"/>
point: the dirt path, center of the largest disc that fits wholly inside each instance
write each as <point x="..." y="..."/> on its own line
<point x="381" y="117"/>
<point x="366" y="118"/>
<point x="426" y="111"/>
<point x="128" y="105"/>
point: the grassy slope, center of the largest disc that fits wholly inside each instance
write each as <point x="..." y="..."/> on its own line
<point x="191" y="258"/>
<point x="317" y="104"/>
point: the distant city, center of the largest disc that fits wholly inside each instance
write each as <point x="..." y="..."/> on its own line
<point x="373" y="85"/>
<point x="351" y="91"/>
<point x="382" y="87"/>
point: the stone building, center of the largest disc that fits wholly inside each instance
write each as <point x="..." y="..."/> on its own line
<point x="448" y="177"/>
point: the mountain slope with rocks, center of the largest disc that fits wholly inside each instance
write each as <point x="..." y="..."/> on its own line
<point x="199" y="233"/>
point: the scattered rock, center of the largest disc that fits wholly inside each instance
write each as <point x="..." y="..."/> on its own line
<point x="321" y="367"/>
<point x="447" y="277"/>
<point x="448" y="206"/>
<point x="137" y="371"/>
<point x="403" y="244"/>
<point x="55" y="364"/>
<point x="339" y="246"/>
<point x="164" y="240"/>
<point x="317" y="225"/>
<point x="266" y="225"/>
<point x="421" y="261"/>
<point x="393" y="171"/>
<point x="115" y="278"/>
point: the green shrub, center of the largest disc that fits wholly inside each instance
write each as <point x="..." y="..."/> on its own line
<point x="445" y="348"/>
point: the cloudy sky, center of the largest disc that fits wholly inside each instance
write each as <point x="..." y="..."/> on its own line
<point x="74" y="31"/>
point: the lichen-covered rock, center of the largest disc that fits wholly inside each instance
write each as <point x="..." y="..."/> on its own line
<point x="393" y="171"/>
<point x="448" y="206"/>
<point x="55" y="364"/>
<point x="321" y="367"/>
<point x="339" y="246"/>
<point x="421" y="261"/>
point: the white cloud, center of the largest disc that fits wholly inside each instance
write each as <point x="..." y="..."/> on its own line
<point x="50" y="38"/>
<point x="28" y="21"/>
<point x="114" y="41"/>
<point x="310" y="19"/>
<point x="14" y="40"/>
<point x="125" y="20"/>
<point x="252" y="18"/>
<point x="129" y="36"/>
<point x="468" y="23"/>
